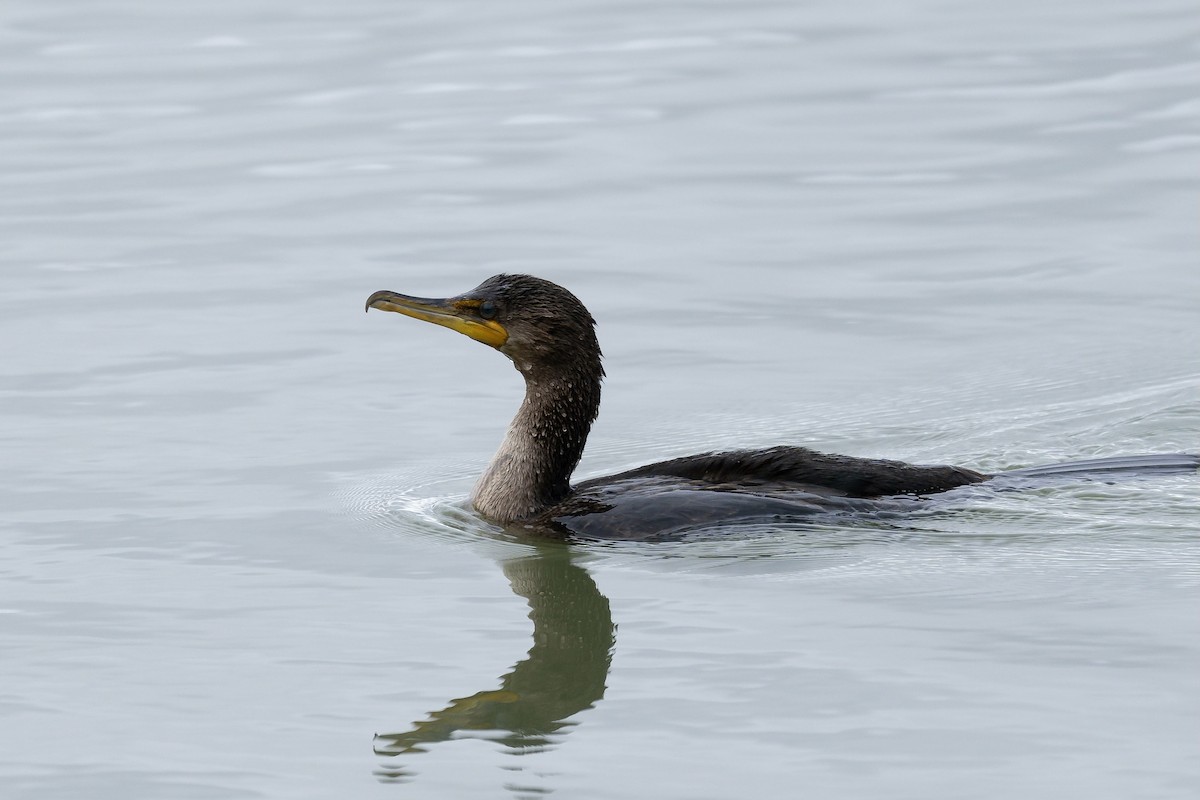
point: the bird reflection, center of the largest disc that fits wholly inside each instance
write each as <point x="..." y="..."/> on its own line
<point x="563" y="674"/>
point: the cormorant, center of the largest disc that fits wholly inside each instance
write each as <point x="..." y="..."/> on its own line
<point x="551" y="339"/>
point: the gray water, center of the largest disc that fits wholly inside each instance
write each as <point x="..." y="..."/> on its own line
<point x="235" y="560"/>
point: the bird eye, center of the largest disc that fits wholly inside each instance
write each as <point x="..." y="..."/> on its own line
<point x="487" y="309"/>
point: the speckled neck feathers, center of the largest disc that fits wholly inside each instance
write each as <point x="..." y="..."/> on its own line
<point x="532" y="469"/>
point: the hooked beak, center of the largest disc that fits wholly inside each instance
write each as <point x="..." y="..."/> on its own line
<point x="454" y="313"/>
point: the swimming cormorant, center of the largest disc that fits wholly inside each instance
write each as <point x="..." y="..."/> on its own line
<point x="551" y="339"/>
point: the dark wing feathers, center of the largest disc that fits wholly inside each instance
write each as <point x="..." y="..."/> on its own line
<point x="845" y="475"/>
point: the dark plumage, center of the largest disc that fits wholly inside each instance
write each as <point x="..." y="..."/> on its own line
<point x="550" y="338"/>
<point x="797" y="466"/>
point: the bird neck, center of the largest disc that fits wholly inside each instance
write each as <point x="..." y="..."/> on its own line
<point x="532" y="469"/>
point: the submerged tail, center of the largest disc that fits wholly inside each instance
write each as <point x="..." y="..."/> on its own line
<point x="1166" y="462"/>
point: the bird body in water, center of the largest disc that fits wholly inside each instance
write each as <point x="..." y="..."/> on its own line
<point x="551" y="339"/>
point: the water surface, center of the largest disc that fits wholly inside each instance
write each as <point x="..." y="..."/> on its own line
<point x="234" y="553"/>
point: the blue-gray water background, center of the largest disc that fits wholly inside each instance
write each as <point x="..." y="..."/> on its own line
<point x="231" y="543"/>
